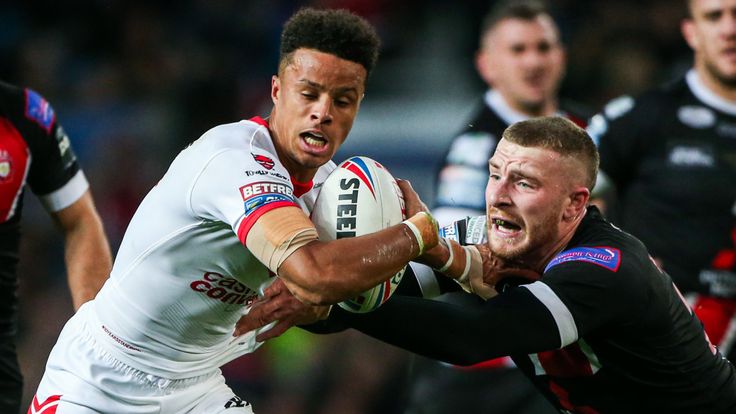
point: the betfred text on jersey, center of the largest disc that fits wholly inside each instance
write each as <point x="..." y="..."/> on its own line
<point x="347" y="209"/>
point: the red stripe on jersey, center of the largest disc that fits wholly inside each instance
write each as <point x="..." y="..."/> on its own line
<point x="725" y="260"/>
<point x="717" y="314"/>
<point x="495" y="363"/>
<point x="301" y="188"/>
<point x="14" y="159"/>
<point x="249" y="221"/>
<point x="260" y="121"/>
<point x="564" y="399"/>
<point x="568" y="362"/>
<point x="47" y="407"/>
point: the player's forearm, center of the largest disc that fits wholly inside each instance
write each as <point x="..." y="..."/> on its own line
<point x="330" y="272"/>
<point x="87" y="252"/>
<point x="460" y="334"/>
<point x="88" y="260"/>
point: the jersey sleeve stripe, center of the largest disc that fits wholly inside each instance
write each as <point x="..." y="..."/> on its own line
<point x="67" y="194"/>
<point x="561" y="314"/>
<point x="247" y="223"/>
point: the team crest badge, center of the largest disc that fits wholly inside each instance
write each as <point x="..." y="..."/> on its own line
<point x="266" y="162"/>
<point x="6" y="165"/>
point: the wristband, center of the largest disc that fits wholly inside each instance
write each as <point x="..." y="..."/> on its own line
<point x="425" y="230"/>
<point x="448" y="263"/>
<point x="468" y="261"/>
<point x="458" y="264"/>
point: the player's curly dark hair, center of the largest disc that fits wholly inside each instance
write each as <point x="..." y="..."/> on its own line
<point x="337" y="32"/>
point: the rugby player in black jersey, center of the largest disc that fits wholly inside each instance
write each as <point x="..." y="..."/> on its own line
<point x="670" y="154"/>
<point x="602" y="330"/>
<point x="35" y="151"/>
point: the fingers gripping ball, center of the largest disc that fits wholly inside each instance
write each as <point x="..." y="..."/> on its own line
<point x="360" y="197"/>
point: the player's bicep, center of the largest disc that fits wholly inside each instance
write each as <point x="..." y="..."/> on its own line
<point x="277" y="234"/>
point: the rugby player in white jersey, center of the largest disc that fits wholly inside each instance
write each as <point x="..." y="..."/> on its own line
<point x="229" y="215"/>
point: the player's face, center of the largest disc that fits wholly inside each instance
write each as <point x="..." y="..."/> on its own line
<point x="524" y="61"/>
<point x="711" y="33"/>
<point x="526" y="198"/>
<point x="316" y="98"/>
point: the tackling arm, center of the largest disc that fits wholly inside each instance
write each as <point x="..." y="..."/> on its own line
<point x="514" y="322"/>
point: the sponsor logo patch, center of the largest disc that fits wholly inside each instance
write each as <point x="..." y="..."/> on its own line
<point x="257" y="195"/>
<point x="618" y="107"/>
<point x="236" y="402"/>
<point x="39" y="110"/>
<point x="224" y="289"/>
<point x="691" y="156"/>
<point x="697" y="117"/>
<point x="265" y="162"/>
<point x="607" y="257"/>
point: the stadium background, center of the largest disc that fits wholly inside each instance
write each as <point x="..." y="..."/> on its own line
<point x="133" y="82"/>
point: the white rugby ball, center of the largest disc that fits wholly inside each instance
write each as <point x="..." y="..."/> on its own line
<point x="360" y="197"/>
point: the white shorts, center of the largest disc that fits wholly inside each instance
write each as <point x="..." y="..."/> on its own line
<point x="81" y="378"/>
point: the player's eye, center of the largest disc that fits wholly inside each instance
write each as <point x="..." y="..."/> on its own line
<point x="524" y="184"/>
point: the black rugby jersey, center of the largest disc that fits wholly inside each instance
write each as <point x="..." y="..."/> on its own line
<point x="463" y="176"/>
<point x="604" y="331"/>
<point x="671" y="154"/>
<point x="34" y="150"/>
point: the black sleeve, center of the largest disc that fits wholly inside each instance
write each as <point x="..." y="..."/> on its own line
<point x="54" y="162"/>
<point x="514" y="322"/>
<point x="409" y="286"/>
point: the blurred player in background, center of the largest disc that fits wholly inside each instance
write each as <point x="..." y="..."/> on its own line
<point x="522" y="60"/>
<point x="670" y="156"/>
<point x="35" y="150"/>
<point x="229" y="215"/>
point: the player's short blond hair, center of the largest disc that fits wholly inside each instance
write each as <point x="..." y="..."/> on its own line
<point x="561" y="136"/>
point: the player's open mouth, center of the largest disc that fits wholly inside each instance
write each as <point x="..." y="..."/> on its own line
<point x="505" y="226"/>
<point x="314" y="139"/>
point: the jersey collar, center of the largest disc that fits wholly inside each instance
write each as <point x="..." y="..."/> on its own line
<point x="705" y="95"/>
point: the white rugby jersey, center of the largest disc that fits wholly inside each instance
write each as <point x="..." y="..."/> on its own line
<point x="183" y="275"/>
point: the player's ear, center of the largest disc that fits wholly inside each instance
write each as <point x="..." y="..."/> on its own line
<point x="576" y="204"/>
<point x="687" y="27"/>
<point x="275" y="88"/>
<point x="484" y="65"/>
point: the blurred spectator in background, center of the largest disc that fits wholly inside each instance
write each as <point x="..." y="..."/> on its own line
<point x="670" y="156"/>
<point x="35" y="150"/>
<point x="522" y="61"/>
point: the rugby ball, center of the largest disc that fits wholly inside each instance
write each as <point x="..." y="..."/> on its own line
<point x="360" y="197"/>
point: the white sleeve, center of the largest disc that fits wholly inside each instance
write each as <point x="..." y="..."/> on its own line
<point x="233" y="188"/>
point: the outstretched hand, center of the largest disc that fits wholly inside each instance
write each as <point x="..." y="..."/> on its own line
<point x="278" y="304"/>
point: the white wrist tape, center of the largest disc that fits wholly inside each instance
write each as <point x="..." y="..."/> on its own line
<point x="448" y="263"/>
<point x="466" y="271"/>
<point x="417" y="235"/>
